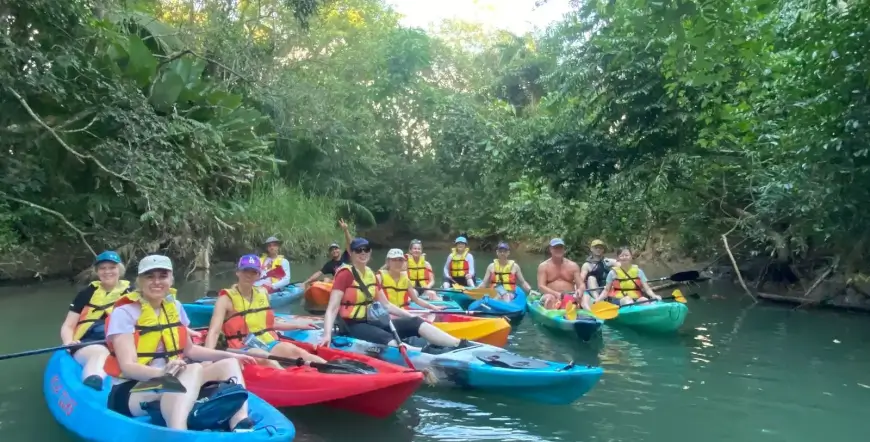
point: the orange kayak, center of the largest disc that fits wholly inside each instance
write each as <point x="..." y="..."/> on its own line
<point x="317" y="294"/>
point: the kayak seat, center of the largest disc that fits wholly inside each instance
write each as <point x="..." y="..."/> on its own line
<point x="505" y="359"/>
<point x="436" y="349"/>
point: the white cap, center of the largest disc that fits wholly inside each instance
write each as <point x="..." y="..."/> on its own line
<point x="395" y="253"/>
<point x="154" y="262"/>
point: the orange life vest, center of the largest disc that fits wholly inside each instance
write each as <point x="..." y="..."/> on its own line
<point x="418" y="272"/>
<point x="99" y="306"/>
<point x="354" y="301"/>
<point x="626" y="283"/>
<point x="257" y="317"/>
<point x="151" y="330"/>
<point x="504" y="275"/>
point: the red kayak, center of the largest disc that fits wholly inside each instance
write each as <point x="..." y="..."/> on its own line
<point x="377" y="394"/>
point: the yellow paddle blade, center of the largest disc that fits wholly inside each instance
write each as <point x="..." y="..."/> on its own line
<point x="481" y="292"/>
<point x="604" y="310"/>
<point x="458" y="287"/>
<point x="571" y="312"/>
<point x="678" y="296"/>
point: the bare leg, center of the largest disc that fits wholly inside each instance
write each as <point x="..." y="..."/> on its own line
<point x="92" y="359"/>
<point x="625" y="300"/>
<point x="221" y="370"/>
<point x="288" y="350"/>
<point x="431" y="295"/>
<point x="261" y="355"/>
<point x="642" y="299"/>
<point x="436" y="336"/>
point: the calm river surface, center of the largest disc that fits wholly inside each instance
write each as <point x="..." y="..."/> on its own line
<point x="735" y="372"/>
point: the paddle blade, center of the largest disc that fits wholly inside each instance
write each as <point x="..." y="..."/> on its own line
<point x="571" y="312"/>
<point x="481" y="292"/>
<point x="685" y="276"/>
<point x="166" y="383"/>
<point x="678" y="296"/>
<point x="604" y="310"/>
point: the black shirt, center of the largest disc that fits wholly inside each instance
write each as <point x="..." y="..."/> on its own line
<point x="332" y="266"/>
<point x="84" y="296"/>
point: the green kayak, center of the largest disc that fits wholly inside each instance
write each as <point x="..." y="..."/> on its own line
<point x="660" y="317"/>
<point x="585" y="326"/>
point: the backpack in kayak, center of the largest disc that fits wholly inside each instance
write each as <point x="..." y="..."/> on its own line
<point x="218" y="401"/>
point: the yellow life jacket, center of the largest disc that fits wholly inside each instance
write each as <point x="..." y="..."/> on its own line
<point x="626" y="283"/>
<point x="417" y="271"/>
<point x="152" y="329"/>
<point x="255" y="317"/>
<point x="100" y="305"/>
<point x="396" y="291"/>
<point x="354" y="302"/>
<point x="277" y="263"/>
<point x="458" y="265"/>
<point x="504" y="275"/>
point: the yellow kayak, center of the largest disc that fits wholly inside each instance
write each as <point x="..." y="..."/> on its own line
<point x="492" y="331"/>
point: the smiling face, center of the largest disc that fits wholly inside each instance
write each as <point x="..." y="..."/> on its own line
<point x="273" y="248"/>
<point x="503" y="253"/>
<point x="247" y="276"/>
<point x="361" y="255"/>
<point x="108" y="273"/>
<point x="624" y="256"/>
<point x="396" y="264"/>
<point x="461" y="246"/>
<point x="335" y="253"/>
<point x="416" y="250"/>
<point x="557" y="251"/>
<point x="155" y="285"/>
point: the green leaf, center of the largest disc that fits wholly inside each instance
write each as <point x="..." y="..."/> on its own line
<point x="142" y="65"/>
<point x="165" y="92"/>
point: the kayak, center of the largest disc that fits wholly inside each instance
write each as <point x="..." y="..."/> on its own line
<point x="461" y="300"/>
<point x="199" y="314"/>
<point x="482" y="367"/>
<point x="317" y="295"/>
<point x="83" y="411"/>
<point x="492" y="331"/>
<point x="585" y="326"/>
<point x="377" y="394"/>
<point x="278" y="299"/>
<point x="659" y="317"/>
<point x="514" y="310"/>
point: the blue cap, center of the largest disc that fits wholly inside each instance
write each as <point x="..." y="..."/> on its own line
<point x="555" y="242"/>
<point x="460" y="239"/>
<point x="358" y="242"/>
<point x="249" y="262"/>
<point x="107" y="256"/>
<point x="503" y="245"/>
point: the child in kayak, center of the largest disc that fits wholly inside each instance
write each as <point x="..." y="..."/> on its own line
<point x="504" y="275"/>
<point x="626" y="282"/>
<point x="243" y="314"/>
<point x="160" y="350"/>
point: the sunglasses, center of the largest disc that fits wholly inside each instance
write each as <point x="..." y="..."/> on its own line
<point x="362" y="250"/>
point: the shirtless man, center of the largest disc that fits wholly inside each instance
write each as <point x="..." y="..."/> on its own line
<point x="594" y="270"/>
<point x="559" y="278"/>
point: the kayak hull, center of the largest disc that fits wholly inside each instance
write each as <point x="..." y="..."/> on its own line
<point x="199" y="314"/>
<point x="83" y="411"/>
<point x="513" y="310"/>
<point x="492" y="331"/>
<point x="538" y="381"/>
<point x="657" y="317"/>
<point x="584" y="327"/>
<point x="281" y="298"/>
<point x="378" y="395"/>
<point x="317" y="295"/>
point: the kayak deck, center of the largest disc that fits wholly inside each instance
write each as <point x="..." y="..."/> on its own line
<point x="83" y="411"/>
<point x="584" y="327"/>
<point x="317" y="295"/>
<point x="278" y="299"/>
<point x="658" y="317"/>
<point x="492" y="331"/>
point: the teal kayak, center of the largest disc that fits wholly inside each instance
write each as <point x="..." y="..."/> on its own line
<point x="83" y="411"/>
<point x="660" y="317"/>
<point x="281" y="298"/>
<point x="585" y="326"/>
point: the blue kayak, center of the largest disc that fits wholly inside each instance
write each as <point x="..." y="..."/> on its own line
<point x="287" y="296"/>
<point x="481" y="367"/>
<point x="514" y="310"/>
<point x="83" y="411"/>
<point x="199" y="314"/>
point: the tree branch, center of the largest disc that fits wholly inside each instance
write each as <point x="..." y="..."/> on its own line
<point x="56" y="214"/>
<point x="736" y="269"/>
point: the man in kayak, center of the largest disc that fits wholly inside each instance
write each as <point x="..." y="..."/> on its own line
<point x="504" y="274"/>
<point x="594" y="270"/>
<point x="559" y="279"/>
<point x="420" y="271"/>
<point x="459" y="268"/>
<point x="336" y="260"/>
<point x="361" y="309"/>
<point x="396" y="285"/>
<point x="243" y="314"/>
<point x="626" y="283"/>
<point x="275" y="267"/>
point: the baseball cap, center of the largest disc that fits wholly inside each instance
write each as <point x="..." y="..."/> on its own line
<point x="359" y="242"/>
<point x="503" y="245"/>
<point x="334" y="246"/>
<point x="107" y="256"/>
<point x="272" y="239"/>
<point x="460" y="239"/>
<point x="154" y="262"/>
<point x="597" y="242"/>
<point x="395" y="254"/>
<point x="556" y="242"/>
<point x="249" y="262"/>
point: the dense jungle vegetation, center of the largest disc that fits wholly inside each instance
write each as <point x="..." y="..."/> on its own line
<point x="176" y="124"/>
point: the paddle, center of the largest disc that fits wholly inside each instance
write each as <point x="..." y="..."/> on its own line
<point x="299" y="362"/>
<point x="168" y="383"/>
<point x="607" y="310"/>
<point x="475" y="293"/>
<point x="439" y="312"/>
<point x="49" y="350"/>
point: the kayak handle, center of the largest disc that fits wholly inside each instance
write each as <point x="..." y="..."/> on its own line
<point x="567" y="367"/>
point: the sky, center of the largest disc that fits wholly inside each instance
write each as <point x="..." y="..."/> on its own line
<point x="517" y="16"/>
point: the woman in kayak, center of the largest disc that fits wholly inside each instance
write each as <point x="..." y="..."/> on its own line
<point x="359" y="303"/>
<point x="86" y="320"/>
<point x="626" y="282"/>
<point x="147" y="333"/>
<point x="420" y="272"/>
<point x="242" y="312"/>
<point x="396" y="286"/>
<point x="504" y="274"/>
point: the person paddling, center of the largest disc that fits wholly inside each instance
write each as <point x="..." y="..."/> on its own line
<point x="358" y="303"/>
<point x="243" y="314"/>
<point x="275" y="266"/>
<point x="504" y="274"/>
<point x="420" y="271"/>
<point x="626" y="283"/>
<point x="396" y="286"/>
<point x="594" y="270"/>
<point x="459" y="268"/>
<point x="559" y="279"/>
<point x="86" y="319"/>
<point x="161" y="349"/>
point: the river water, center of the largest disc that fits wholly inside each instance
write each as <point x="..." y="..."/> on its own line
<point x="735" y="372"/>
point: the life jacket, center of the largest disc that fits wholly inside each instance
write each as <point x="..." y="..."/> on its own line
<point x="98" y="307"/>
<point x="626" y="283"/>
<point x="504" y="275"/>
<point x="418" y="273"/>
<point x="152" y="329"/>
<point x="398" y="292"/>
<point x="354" y="301"/>
<point x="276" y="264"/>
<point x="458" y="265"/>
<point x="599" y="270"/>
<point x="255" y="317"/>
